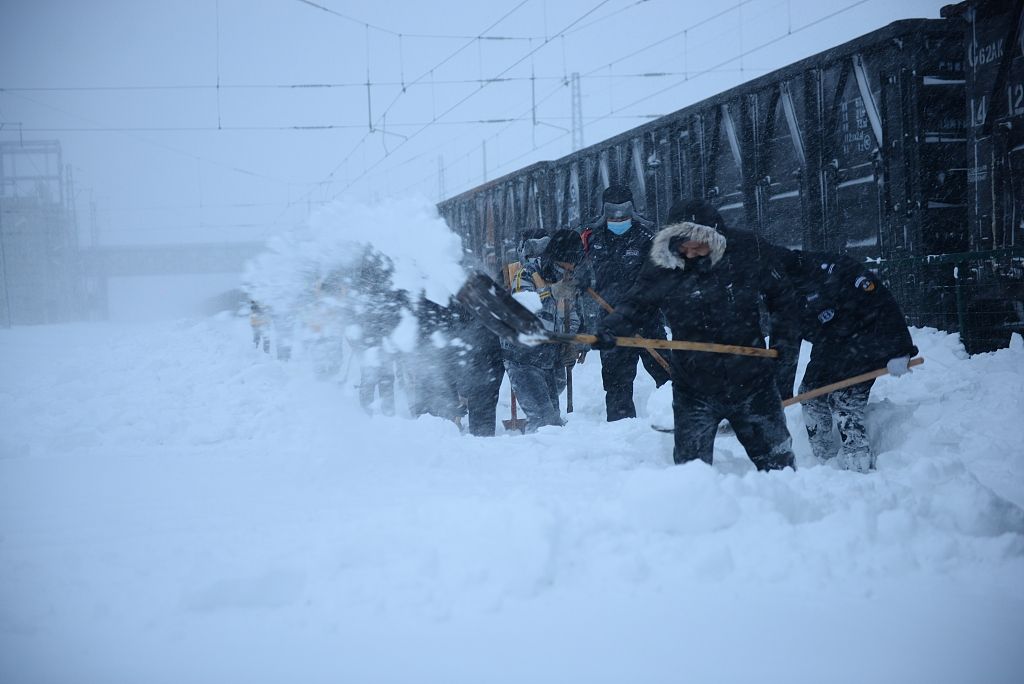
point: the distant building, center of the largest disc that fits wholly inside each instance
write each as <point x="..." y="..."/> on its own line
<point x="40" y="270"/>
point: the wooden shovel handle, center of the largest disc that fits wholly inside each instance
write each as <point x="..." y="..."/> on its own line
<point x="683" y="345"/>
<point x="566" y="324"/>
<point x="855" y="380"/>
<point x="608" y="307"/>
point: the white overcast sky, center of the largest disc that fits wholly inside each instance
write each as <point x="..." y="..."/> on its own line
<point x="129" y="89"/>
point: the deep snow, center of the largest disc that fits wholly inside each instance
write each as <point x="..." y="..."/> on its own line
<point x="177" y="507"/>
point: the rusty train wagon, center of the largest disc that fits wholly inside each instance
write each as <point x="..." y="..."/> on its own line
<point x="860" y="149"/>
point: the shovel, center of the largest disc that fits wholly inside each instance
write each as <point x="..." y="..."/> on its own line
<point x="608" y="307"/>
<point x="500" y="313"/>
<point x="827" y="389"/>
<point x="515" y="423"/>
<point x="848" y="382"/>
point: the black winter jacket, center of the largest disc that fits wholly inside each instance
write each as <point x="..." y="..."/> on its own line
<point x="847" y="313"/>
<point x="616" y="260"/>
<point x="719" y="304"/>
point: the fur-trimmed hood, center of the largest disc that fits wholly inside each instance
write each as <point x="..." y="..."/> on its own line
<point x="664" y="256"/>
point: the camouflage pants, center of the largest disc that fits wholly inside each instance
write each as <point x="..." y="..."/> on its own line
<point x="537" y="392"/>
<point x="845" y="408"/>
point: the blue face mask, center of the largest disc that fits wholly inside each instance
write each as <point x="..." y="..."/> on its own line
<point x="620" y="227"/>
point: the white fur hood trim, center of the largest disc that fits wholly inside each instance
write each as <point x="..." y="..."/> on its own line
<point x="664" y="257"/>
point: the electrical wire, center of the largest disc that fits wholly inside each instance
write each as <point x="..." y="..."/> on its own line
<point x="429" y="72"/>
<point x="460" y="102"/>
<point x="311" y="127"/>
<point x="650" y="46"/>
<point x="325" y="86"/>
<point x="590" y="74"/>
<point x="696" y="74"/>
<point x="742" y="54"/>
<point x="169" y="148"/>
<point x="413" y="35"/>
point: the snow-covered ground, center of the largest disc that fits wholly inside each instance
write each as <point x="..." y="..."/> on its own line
<point x="177" y="507"/>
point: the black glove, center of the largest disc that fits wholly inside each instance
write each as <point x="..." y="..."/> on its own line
<point x="605" y="341"/>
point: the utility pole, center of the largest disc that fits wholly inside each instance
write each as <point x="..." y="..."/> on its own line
<point x="5" y="301"/>
<point x="485" y="160"/>
<point x="577" y="112"/>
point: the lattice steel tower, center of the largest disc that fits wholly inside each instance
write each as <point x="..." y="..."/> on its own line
<point x="577" y="112"/>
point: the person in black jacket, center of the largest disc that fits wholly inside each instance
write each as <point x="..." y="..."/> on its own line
<point x="481" y="369"/>
<point x="432" y="367"/>
<point x="616" y="247"/>
<point x="855" y="326"/>
<point x="709" y="282"/>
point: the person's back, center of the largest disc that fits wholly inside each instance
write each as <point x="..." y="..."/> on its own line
<point x="855" y="326"/>
<point x="480" y="371"/>
<point x="847" y="313"/>
<point x="433" y="364"/>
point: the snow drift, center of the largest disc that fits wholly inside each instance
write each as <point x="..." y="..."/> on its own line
<point x="178" y="507"/>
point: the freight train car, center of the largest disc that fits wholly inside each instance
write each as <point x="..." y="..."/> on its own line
<point x="861" y="149"/>
<point x="993" y="281"/>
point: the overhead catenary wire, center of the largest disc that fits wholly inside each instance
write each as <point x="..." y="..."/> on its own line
<point x="484" y="82"/>
<point x="345" y="159"/>
<point x="651" y="46"/>
<point x="451" y="162"/>
<point x="752" y="50"/>
<point x="168" y="148"/>
<point x="393" y="32"/>
<point x="564" y="81"/>
<point x="598" y="20"/>
<point x="691" y="74"/>
<point x="470" y="95"/>
<point x="790" y="31"/>
<point x="311" y="127"/>
<point x="561" y="79"/>
<point x="325" y="86"/>
<point x="444" y="61"/>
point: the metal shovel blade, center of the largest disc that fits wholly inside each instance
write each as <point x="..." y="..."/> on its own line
<point x="499" y="312"/>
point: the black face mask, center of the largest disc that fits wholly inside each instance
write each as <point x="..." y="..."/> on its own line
<point x="701" y="264"/>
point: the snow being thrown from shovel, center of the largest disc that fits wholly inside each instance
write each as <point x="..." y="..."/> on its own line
<point x="425" y="253"/>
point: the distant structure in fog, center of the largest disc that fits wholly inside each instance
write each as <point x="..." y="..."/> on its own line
<point x="40" y="277"/>
<point x="46" y="276"/>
